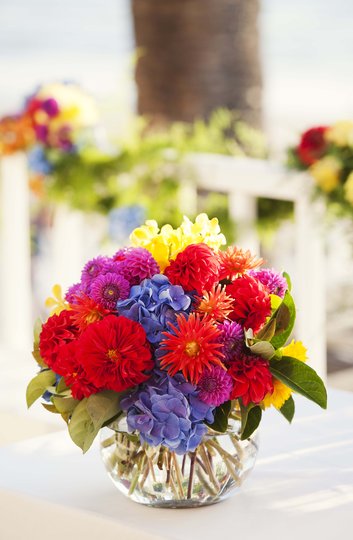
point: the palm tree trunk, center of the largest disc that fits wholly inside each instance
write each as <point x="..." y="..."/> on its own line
<point x="196" y="56"/>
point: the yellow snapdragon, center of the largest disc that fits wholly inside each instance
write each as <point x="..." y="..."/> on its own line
<point x="341" y="133"/>
<point x="348" y="189"/>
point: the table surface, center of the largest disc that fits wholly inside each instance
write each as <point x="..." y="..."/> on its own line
<point x="301" y="487"/>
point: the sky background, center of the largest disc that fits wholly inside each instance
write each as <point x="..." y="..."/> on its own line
<point x="306" y="48"/>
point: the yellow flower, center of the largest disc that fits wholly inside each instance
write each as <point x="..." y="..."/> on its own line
<point x="341" y="133"/>
<point x="326" y="173"/>
<point x="348" y="189"/>
<point x="57" y="303"/>
<point x="280" y="394"/>
<point x="165" y="243"/>
<point x="76" y="108"/>
<point x="295" y="349"/>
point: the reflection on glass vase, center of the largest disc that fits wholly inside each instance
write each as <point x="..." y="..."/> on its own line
<point x="156" y="476"/>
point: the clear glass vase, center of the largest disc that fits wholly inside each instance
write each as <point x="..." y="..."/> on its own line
<point x="156" y="476"/>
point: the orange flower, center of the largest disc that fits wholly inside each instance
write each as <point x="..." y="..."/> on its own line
<point x="86" y="311"/>
<point x="216" y="304"/>
<point x="16" y="133"/>
<point x="235" y="261"/>
<point x="191" y="347"/>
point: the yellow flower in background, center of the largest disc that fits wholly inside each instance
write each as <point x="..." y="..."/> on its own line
<point x="326" y="173"/>
<point x="340" y="133"/>
<point x="165" y="243"/>
<point x="280" y="394"/>
<point x="57" y="302"/>
<point x="76" y="107"/>
<point x="348" y="189"/>
<point x="295" y="349"/>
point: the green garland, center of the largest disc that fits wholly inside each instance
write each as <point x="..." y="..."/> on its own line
<point x="146" y="170"/>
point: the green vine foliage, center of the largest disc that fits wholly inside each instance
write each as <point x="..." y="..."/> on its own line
<point x="145" y="168"/>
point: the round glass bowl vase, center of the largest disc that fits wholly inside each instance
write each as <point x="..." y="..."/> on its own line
<point x="157" y="476"/>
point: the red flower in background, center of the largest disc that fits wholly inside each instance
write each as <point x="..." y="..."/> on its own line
<point x="312" y="145"/>
<point x="196" y="268"/>
<point x="252" y="379"/>
<point x="251" y="303"/>
<point x="56" y="332"/>
<point x="114" y="353"/>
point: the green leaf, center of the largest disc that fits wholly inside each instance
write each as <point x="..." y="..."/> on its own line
<point x="221" y="414"/>
<point x="288" y="280"/>
<point x="65" y="405"/>
<point x="268" y="331"/>
<point x="35" y="353"/>
<point x="103" y="406"/>
<point x="50" y="407"/>
<point x="263" y="349"/>
<point x="285" y="319"/>
<point x="81" y="427"/>
<point x="90" y="415"/>
<point x="301" y="378"/>
<point x="38" y="385"/>
<point x="251" y="418"/>
<point x="61" y="387"/>
<point x="288" y="409"/>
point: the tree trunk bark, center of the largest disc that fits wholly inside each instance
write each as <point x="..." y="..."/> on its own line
<point x="197" y="56"/>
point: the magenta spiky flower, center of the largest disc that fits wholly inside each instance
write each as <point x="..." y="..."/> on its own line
<point x="107" y="289"/>
<point x="274" y="282"/>
<point x="93" y="268"/>
<point x="72" y="293"/>
<point x="137" y="264"/>
<point x="232" y="338"/>
<point x="215" y="386"/>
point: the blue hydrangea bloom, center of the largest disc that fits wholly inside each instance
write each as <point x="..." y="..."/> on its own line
<point x="154" y="303"/>
<point x="123" y="220"/>
<point x="38" y="161"/>
<point x="166" y="410"/>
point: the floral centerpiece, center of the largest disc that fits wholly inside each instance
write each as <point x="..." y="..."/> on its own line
<point x="176" y="348"/>
<point x="327" y="153"/>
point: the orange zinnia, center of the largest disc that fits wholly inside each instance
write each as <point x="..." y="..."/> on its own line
<point x="191" y="347"/>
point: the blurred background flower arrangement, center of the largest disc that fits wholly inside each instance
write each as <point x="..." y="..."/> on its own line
<point x="326" y="152"/>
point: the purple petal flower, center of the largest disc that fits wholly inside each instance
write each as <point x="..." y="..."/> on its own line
<point x="93" y="269"/>
<point x="107" y="289"/>
<point x="215" y="386"/>
<point x="274" y="282"/>
<point x="137" y="264"/>
<point x="232" y="339"/>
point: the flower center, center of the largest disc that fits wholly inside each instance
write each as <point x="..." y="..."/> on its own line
<point x="209" y="385"/>
<point x="113" y="354"/>
<point x="192" y="348"/>
<point x="111" y="292"/>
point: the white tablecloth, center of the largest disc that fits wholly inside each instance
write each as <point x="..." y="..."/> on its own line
<point x="301" y="488"/>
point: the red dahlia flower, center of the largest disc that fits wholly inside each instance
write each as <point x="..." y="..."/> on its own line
<point x="251" y="303"/>
<point x="72" y="370"/>
<point x="114" y="353"/>
<point x="252" y="379"/>
<point x="312" y="145"/>
<point x="191" y="347"/>
<point x="195" y="269"/>
<point x="56" y="332"/>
